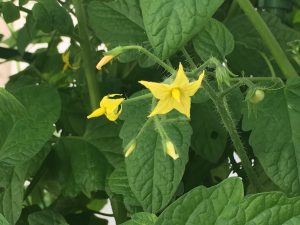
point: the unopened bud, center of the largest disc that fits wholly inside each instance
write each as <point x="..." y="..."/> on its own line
<point x="170" y="149"/>
<point x="130" y="148"/>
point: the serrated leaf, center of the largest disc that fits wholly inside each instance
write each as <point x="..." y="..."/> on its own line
<point x="24" y="133"/>
<point x="153" y="175"/>
<point x="3" y="221"/>
<point x="142" y="218"/>
<point x="118" y="22"/>
<point x="104" y="135"/>
<point x="213" y="40"/>
<point x="88" y="166"/>
<point x="11" y="191"/>
<point x="225" y="204"/>
<point x="215" y="205"/>
<point x="46" y="217"/>
<point x="279" y="156"/>
<point x="170" y="24"/>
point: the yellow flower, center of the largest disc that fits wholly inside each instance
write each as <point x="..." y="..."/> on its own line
<point x="67" y="64"/>
<point x="170" y="149"/>
<point x="110" y="106"/>
<point x="176" y="95"/>
<point x="106" y="59"/>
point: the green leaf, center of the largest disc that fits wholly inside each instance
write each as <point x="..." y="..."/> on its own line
<point x="271" y="209"/>
<point x="10" y="12"/>
<point x="209" y="136"/>
<point x="118" y="184"/>
<point x="3" y="221"/>
<point x="104" y="135"/>
<point x="153" y="175"/>
<point x="279" y="156"/>
<point x="118" y="22"/>
<point x="245" y="33"/>
<point x="213" y="40"/>
<point x="46" y="217"/>
<point x="88" y="166"/>
<point x="11" y="191"/>
<point x="142" y="218"/>
<point x="170" y="24"/>
<point x="214" y="205"/>
<point x="27" y="124"/>
<point x="57" y="15"/>
<point x="42" y="17"/>
<point x="225" y="204"/>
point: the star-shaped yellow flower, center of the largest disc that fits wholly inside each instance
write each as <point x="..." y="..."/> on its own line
<point x="110" y="106"/>
<point x="176" y="95"/>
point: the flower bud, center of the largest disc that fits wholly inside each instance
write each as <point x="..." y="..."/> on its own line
<point x="170" y="149"/>
<point x="130" y="148"/>
<point x="257" y="96"/>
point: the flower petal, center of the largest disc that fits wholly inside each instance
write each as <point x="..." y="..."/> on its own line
<point x="184" y="106"/>
<point x="159" y="90"/>
<point x="162" y="107"/>
<point x="191" y="88"/>
<point x="181" y="79"/>
<point x="98" y="112"/>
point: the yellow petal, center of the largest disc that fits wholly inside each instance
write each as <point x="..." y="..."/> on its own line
<point x="106" y="59"/>
<point x="98" y="112"/>
<point x="181" y="78"/>
<point x="176" y="94"/>
<point x="162" y="107"/>
<point x="184" y="106"/>
<point x="191" y="88"/>
<point x="171" y="150"/>
<point x="159" y="90"/>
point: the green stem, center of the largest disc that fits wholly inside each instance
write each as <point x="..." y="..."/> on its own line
<point x="221" y="105"/>
<point x="267" y="36"/>
<point x="189" y="58"/>
<point x="138" y="98"/>
<point x="119" y="210"/>
<point x="151" y="56"/>
<point x="87" y="55"/>
<point x="273" y="74"/>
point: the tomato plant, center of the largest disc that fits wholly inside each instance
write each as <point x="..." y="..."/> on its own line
<point x="171" y="112"/>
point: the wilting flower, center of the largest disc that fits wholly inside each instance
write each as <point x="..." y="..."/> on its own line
<point x="110" y="106"/>
<point x="176" y="95"/>
<point x="103" y="61"/>
<point x="67" y="64"/>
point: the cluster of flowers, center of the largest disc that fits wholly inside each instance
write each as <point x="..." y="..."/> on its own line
<point x="176" y="95"/>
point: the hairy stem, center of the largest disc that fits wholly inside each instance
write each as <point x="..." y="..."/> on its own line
<point x="87" y="54"/>
<point x="151" y="56"/>
<point x="222" y="108"/>
<point x="267" y="36"/>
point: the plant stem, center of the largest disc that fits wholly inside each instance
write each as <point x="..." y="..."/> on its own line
<point x="267" y="36"/>
<point x="188" y="58"/>
<point x="151" y="56"/>
<point x="119" y="210"/>
<point x="222" y="108"/>
<point x="87" y="55"/>
<point x="138" y="98"/>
